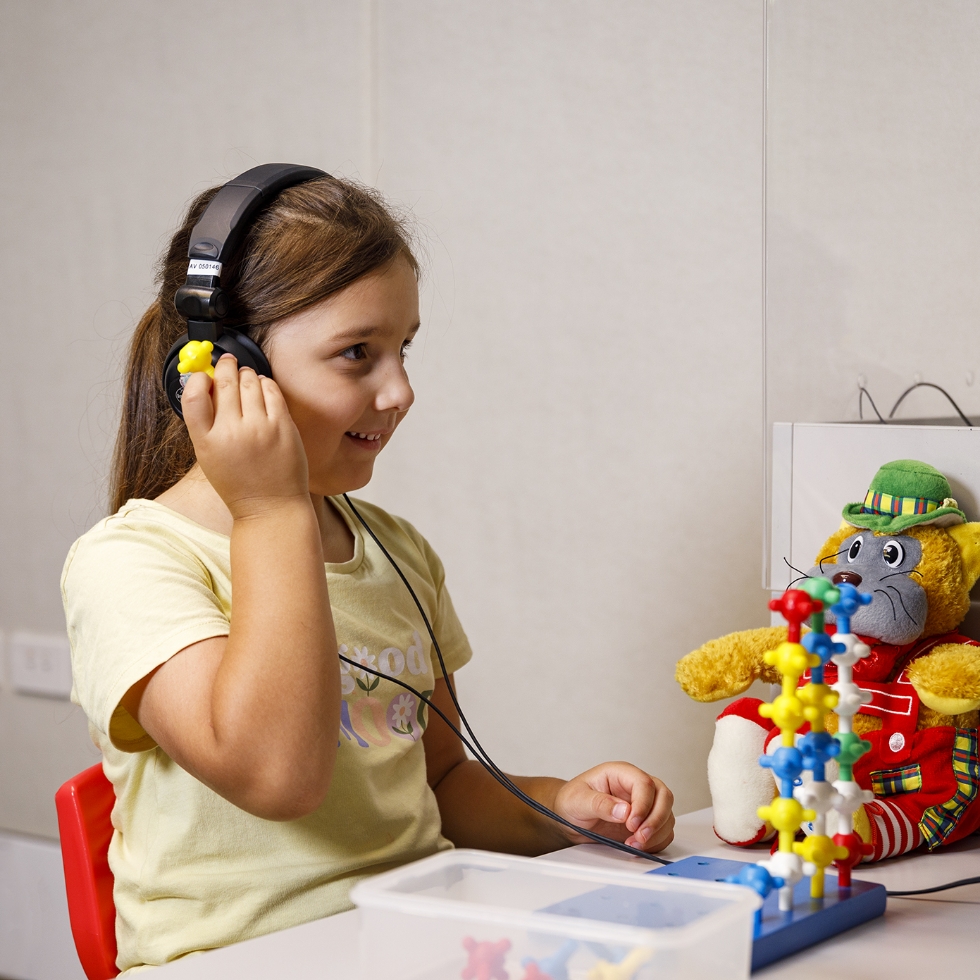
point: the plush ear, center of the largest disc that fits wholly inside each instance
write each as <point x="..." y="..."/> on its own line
<point x="967" y="538"/>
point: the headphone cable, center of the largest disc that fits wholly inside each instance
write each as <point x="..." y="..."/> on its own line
<point x="935" y="888"/>
<point x="481" y="755"/>
<point x="502" y="777"/>
<point x="476" y="749"/>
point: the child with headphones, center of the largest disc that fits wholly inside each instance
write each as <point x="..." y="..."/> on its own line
<point x="252" y="649"/>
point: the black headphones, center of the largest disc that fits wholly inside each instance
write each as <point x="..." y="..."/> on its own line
<point x="214" y="241"/>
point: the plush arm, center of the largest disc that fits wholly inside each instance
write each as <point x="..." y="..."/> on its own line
<point x="727" y="666"/>
<point x="947" y="678"/>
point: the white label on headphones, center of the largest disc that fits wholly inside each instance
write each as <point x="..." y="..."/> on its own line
<point x="203" y="267"/>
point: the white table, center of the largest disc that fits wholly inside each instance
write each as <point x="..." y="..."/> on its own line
<point x="916" y="938"/>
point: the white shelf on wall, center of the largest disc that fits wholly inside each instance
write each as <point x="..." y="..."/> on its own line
<point x="817" y="468"/>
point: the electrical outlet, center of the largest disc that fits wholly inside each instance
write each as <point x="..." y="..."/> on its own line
<point x="39" y="663"/>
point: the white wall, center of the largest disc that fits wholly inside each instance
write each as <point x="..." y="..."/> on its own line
<point x="874" y="219"/>
<point x="586" y="450"/>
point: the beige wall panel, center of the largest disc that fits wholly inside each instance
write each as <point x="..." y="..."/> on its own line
<point x="585" y="452"/>
<point x="114" y="115"/>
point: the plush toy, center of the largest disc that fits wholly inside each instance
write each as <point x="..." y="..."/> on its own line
<point x="909" y="546"/>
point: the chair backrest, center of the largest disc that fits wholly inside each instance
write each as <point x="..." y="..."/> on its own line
<point x="84" y="806"/>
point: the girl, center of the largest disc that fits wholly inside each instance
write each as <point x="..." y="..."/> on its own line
<point x="257" y="775"/>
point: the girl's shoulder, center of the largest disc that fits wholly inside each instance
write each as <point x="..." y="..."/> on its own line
<point x="142" y="528"/>
<point x="143" y="517"/>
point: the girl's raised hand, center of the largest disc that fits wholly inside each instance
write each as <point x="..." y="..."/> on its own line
<point x="246" y="442"/>
<point x="619" y="801"/>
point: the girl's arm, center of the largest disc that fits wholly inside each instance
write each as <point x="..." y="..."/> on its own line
<point x="255" y="715"/>
<point x="615" y="799"/>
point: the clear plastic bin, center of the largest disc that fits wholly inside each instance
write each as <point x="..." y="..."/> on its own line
<point x="417" y="921"/>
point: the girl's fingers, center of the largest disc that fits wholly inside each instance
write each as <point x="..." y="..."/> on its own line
<point x="657" y="828"/>
<point x="196" y="404"/>
<point x="585" y="805"/>
<point x="250" y="392"/>
<point x="637" y="807"/>
<point x="227" y="396"/>
<point x="275" y="404"/>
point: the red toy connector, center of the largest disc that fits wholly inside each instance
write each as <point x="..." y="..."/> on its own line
<point x="856" y="849"/>
<point x="796" y="607"/>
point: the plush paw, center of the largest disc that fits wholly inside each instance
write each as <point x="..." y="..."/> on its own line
<point x="727" y="666"/>
<point x="739" y="785"/>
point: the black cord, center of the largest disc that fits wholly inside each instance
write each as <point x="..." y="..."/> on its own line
<point x="503" y="778"/>
<point x="481" y="756"/>
<point x="935" y="888"/>
<point x="864" y="391"/>
<point x="479" y="753"/>
<point x="927" y="384"/>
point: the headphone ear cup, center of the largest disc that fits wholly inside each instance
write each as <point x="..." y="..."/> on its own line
<point x="246" y="352"/>
<point x="171" y="376"/>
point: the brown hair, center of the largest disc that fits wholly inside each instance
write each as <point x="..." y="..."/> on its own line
<point x="312" y="241"/>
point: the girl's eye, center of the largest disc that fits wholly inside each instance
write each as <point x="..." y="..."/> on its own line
<point x="355" y="352"/>
<point x="405" y="349"/>
<point x="854" y="550"/>
<point x="893" y="553"/>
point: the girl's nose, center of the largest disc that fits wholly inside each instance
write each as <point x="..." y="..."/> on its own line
<point x="395" y="393"/>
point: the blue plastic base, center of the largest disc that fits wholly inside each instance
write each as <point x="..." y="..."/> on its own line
<point x="811" y="920"/>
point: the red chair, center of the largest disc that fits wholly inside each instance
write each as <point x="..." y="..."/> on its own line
<point x="84" y="806"/>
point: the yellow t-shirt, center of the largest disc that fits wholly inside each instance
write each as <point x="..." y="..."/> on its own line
<point x="193" y="871"/>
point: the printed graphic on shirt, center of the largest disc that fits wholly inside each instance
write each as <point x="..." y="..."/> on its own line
<point x="371" y="714"/>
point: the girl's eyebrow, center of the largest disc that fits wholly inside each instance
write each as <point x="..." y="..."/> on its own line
<point x="365" y="333"/>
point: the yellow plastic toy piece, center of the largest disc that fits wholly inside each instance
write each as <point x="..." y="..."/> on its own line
<point x="195" y="356"/>
<point x="818" y="701"/>
<point x="791" y="659"/>
<point x="821" y="851"/>
<point x="625" y="969"/>
<point x="787" y="712"/>
<point x="786" y="813"/>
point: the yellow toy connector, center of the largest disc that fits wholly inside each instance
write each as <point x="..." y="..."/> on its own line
<point x="786" y="813"/>
<point x="625" y="969"/>
<point x="787" y="712"/>
<point x="820" y="851"/>
<point x="791" y="660"/>
<point x="195" y="356"/>
<point x="818" y="701"/>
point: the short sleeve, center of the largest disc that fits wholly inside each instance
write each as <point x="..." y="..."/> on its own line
<point x="134" y="596"/>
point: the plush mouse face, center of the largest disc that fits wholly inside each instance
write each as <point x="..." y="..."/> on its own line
<point x="920" y="579"/>
<point x="885" y="567"/>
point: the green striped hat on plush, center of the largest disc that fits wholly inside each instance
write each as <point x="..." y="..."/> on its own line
<point x="902" y="494"/>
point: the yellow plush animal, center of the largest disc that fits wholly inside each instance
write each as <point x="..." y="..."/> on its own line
<point x="909" y="546"/>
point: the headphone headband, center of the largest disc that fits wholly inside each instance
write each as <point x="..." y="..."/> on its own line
<point x="218" y="234"/>
<point x="215" y="239"/>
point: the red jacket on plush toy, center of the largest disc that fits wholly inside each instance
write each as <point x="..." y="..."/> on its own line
<point x="909" y="546"/>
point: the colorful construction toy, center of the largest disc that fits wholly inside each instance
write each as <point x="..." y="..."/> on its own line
<point x="486" y="960"/>
<point x="800" y="801"/>
<point x="554" y="967"/>
<point x="625" y="969"/>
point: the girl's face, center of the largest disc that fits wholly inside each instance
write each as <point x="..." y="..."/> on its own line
<point x="340" y="366"/>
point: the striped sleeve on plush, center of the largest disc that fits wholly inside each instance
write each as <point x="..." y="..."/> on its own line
<point x="892" y="832"/>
